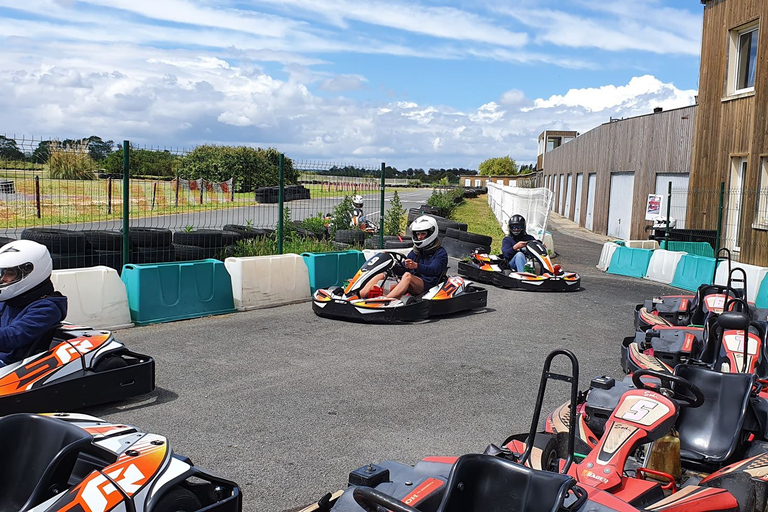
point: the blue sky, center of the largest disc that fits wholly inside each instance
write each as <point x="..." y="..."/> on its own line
<point x="429" y="83"/>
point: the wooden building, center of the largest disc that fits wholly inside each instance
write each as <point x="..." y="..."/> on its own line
<point x="602" y="179"/>
<point x="731" y="141"/>
<point x="514" y="180"/>
<point x="551" y="139"/>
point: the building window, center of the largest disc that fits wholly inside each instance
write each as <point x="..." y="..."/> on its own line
<point x="467" y="182"/>
<point x="761" y="215"/>
<point x="553" y="142"/>
<point x="478" y="183"/>
<point x="742" y="59"/>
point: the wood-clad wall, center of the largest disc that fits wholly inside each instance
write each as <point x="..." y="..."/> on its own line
<point x="728" y="127"/>
<point x="646" y="145"/>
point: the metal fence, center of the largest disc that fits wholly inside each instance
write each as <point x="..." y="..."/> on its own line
<point x="177" y="204"/>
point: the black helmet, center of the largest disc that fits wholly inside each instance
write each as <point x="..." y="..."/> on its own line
<point x="516" y="225"/>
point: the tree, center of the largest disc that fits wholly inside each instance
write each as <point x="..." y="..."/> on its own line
<point x="500" y="166"/>
<point x="394" y="217"/>
<point x="9" y="150"/>
<point x="42" y="152"/>
<point x="99" y="149"/>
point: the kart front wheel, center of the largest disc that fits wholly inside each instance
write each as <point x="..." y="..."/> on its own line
<point x="110" y="363"/>
<point x="178" y="499"/>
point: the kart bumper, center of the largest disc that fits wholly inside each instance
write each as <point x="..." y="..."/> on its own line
<point x="532" y="282"/>
<point x="340" y="309"/>
<point x="474" y="273"/>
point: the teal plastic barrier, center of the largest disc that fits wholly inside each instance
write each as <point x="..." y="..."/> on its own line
<point x="693" y="271"/>
<point x="761" y="301"/>
<point x="698" y="248"/>
<point x="630" y="262"/>
<point x="331" y="268"/>
<point x="164" y="292"/>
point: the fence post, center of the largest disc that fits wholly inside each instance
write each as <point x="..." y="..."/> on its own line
<point x="280" y="204"/>
<point x="109" y="196"/>
<point x="126" y="203"/>
<point x="178" y="180"/>
<point x="719" y="217"/>
<point x="37" y="195"/>
<point x="669" y="206"/>
<point x="381" y="209"/>
<point x="154" y="193"/>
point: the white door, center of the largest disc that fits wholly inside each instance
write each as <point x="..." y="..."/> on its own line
<point x="589" y="220"/>
<point x="620" y="205"/>
<point x="679" y="205"/>
<point x="735" y="197"/>
<point x="577" y="200"/>
<point x="568" y="191"/>
<point x="560" y="196"/>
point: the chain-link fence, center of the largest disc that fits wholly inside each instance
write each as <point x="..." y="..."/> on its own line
<point x="179" y="204"/>
<point x="705" y="220"/>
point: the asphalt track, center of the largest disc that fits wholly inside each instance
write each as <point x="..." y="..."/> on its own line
<point x="286" y="403"/>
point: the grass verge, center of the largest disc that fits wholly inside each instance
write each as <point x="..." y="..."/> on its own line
<point x="480" y="219"/>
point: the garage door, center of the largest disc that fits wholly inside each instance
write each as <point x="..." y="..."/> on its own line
<point x="620" y="205"/>
<point x="589" y="220"/>
<point x="577" y="201"/>
<point x="560" y="196"/>
<point x="568" y="191"/>
<point x="679" y="205"/>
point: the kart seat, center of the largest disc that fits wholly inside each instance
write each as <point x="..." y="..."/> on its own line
<point x="711" y="434"/>
<point x="475" y="481"/>
<point x="37" y="456"/>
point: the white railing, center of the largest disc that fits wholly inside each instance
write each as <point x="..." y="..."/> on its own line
<point x="532" y="203"/>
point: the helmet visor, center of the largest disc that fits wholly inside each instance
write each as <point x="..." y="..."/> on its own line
<point x="11" y="275"/>
<point x="516" y="229"/>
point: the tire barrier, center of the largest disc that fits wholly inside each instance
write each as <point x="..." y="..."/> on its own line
<point x="96" y="297"/>
<point x="630" y="262"/>
<point x="326" y="269"/>
<point x="663" y="265"/>
<point x="268" y="281"/>
<point x="164" y="292"/>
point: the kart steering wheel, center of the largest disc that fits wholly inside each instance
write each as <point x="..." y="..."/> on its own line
<point x="686" y="393"/>
<point x="399" y="258"/>
<point x="370" y="499"/>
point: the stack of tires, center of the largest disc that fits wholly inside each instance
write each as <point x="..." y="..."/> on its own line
<point x="442" y="223"/>
<point x="349" y="238"/>
<point x="201" y="244"/>
<point x="390" y="242"/>
<point x="151" y="245"/>
<point x="69" y="249"/>
<point x="461" y="244"/>
<point x="248" y="232"/>
<point x="272" y="194"/>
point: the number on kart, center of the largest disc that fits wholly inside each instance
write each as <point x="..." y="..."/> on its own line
<point x="639" y="410"/>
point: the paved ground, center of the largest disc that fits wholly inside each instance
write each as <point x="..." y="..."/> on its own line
<point x="287" y="403"/>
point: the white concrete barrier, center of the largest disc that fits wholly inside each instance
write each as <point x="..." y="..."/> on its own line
<point x="606" y="254"/>
<point x="754" y="273"/>
<point x="663" y="265"/>
<point x="268" y="281"/>
<point x="96" y="297"/>
<point x="642" y="244"/>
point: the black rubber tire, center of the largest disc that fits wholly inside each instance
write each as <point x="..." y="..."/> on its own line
<point x="350" y="236"/>
<point x="458" y="249"/>
<point x="453" y="233"/>
<point x="193" y="252"/>
<point x="104" y="240"/>
<point x="110" y="363"/>
<point x="247" y="232"/>
<point x="230" y="238"/>
<point x="444" y="224"/>
<point x="113" y="259"/>
<point x="67" y="261"/>
<point x="151" y="237"/>
<point x="59" y="241"/>
<point x="199" y="238"/>
<point x="177" y="499"/>
<point x="475" y="238"/>
<point x="396" y="244"/>
<point x="5" y="240"/>
<point x="430" y="210"/>
<point x="145" y="255"/>
<point x="341" y="245"/>
<point x="373" y="242"/>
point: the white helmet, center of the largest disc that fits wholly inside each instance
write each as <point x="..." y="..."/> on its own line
<point x="427" y="224"/>
<point x="24" y="264"/>
<point x="357" y="200"/>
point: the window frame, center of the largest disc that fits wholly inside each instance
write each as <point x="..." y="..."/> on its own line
<point x="761" y="204"/>
<point x="735" y="57"/>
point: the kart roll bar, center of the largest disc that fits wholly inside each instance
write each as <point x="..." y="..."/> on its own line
<point x="573" y="378"/>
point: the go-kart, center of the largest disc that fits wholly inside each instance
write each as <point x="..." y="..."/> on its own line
<point x="72" y="367"/>
<point x="492" y="269"/>
<point x="361" y="222"/>
<point x="543" y="476"/>
<point x="78" y="463"/>
<point x="450" y="295"/>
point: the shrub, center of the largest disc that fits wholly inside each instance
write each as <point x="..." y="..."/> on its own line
<point x="342" y="215"/>
<point x="315" y="224"/>
<point x="293" y="243"/>
<point x="446" y="200"/>
<point x="71" y="162"/>
<point x="394" y="218"/>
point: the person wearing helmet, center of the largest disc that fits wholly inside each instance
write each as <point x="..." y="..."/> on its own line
<point x="29" y="306"/>
<point x="358" y="217"/>
<point x="427" y="262"/>
<point x="512" y="244"/>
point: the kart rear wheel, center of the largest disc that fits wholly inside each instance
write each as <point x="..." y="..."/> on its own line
<point x="178" y="499"/>
<point x="110" y="363"/>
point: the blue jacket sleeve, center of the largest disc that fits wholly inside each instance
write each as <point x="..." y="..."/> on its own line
<point x="436" y="266"/>
<point x="507" y="249"/>
<point x="29" y="325"/>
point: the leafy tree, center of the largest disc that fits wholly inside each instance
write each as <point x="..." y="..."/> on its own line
<point x="500" y="166"/>
<point x="394" y="217"/>
<point x="42" y="152"/>
<point x="342" y="215"/>
<point x="9" y="150"/>
<point x="99" y="149"/>
<point x="144" y="162"/>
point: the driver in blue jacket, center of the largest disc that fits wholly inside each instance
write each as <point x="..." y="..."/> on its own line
<point x="512" y="244"/>
<point x="424" y="266"/>
<point x="29" y="306"/>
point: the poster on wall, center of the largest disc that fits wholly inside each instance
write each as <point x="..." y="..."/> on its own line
<point x="653" y="207"/>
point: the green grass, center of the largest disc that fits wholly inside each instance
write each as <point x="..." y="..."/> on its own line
<point x="480" y="219"/>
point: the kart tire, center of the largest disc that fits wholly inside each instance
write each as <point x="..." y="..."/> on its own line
<point x="350" y="236"/>
<point x="547" y="443"/>
<point x="199" y="238"/>
<point x="59" y="241"/>
<point x="178" y="499"/>
<point x="151" y="237"/>
<point x="104" y="240"/>
<point x="110" y="363"/>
